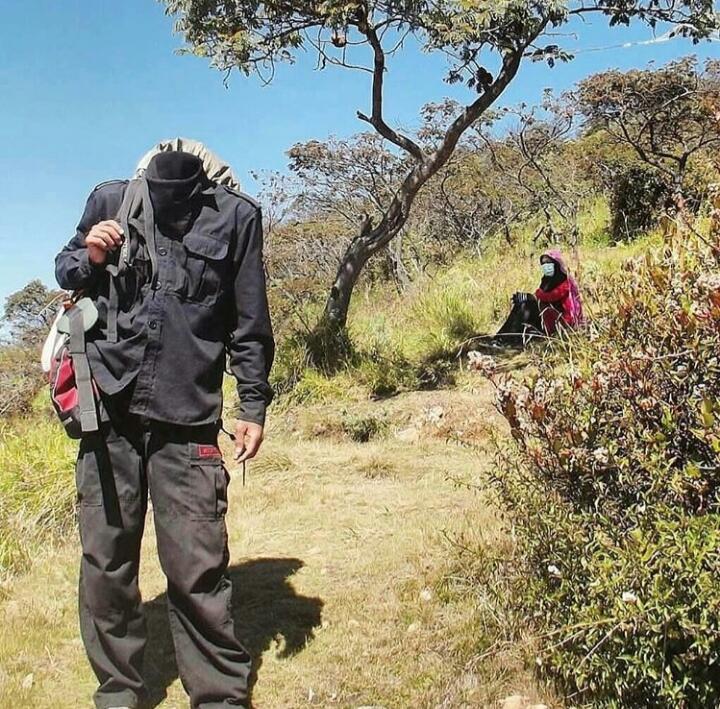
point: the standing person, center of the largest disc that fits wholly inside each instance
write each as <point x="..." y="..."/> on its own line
<point x="179" y="287"/>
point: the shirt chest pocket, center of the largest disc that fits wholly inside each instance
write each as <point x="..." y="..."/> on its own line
<point x="203" y="267"/>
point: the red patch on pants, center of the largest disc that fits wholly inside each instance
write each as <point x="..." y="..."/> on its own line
<point x="208" y="452"/>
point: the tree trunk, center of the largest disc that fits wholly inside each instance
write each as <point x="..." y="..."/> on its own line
<point x="361" y="248"/>
<point x="399" y="269"/>
<point x="371" y="239"/>
<point x="351" y="265"/>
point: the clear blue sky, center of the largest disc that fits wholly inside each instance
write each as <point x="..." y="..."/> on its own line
<point x="87" y="86"/>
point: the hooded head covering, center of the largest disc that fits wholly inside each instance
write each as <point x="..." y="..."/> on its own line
<point x="562" y="274"/>
<point x="177" y="171"/>
<point x="216" y="169"/>
<point x="548" y="283"/>
<point x="174" y="181"/>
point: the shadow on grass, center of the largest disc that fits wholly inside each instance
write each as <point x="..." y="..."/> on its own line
<point x="509" y="352"/>
<point x="265" y="609"/>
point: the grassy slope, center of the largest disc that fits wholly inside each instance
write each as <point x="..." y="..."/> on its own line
<point x="338" y="554"/>
<point x="329" y="533"/>
<point x="441" y="310"/>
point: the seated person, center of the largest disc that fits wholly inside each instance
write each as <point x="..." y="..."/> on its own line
<point x="556" y="303"/>
<point x="558" y="295"/>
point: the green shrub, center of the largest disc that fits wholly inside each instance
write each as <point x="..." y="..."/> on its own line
<point x="437" y="370"/>
<point x="444" y="318"/>
<point x="314" y="387"/>
<point x="328" y="347"/>
<point x="612" y="483"/>
<point x="384" y="370"/>
<point x="638" y="195"/>
<point x="291" y="360"/>
<point x="362" y="428"/>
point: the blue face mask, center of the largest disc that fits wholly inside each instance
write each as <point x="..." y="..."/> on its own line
<point x="548" y="269"/>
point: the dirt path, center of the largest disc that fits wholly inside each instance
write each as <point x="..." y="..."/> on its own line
<point x="337" y="552"/>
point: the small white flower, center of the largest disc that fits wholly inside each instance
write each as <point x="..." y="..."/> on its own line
<point x="601" y="455"/>
<point x="554" y="571"/>
<point x="481" y="363"/>
<point x="629" y="597"/>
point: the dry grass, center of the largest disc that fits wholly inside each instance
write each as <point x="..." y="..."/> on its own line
<point x="339" y="554"/>
<point x="36" y="490"/>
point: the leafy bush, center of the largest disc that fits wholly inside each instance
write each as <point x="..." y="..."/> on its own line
<point x="361" y="428"/>
<point x="314" y="387"/>
<point x="384" y="370"/>
<point x="291" y="360"/>
<point x="638" y="195"/>
<point x="612" y="483"/>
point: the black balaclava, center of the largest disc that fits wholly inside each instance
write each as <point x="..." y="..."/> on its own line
<point x="175" y="179"/>
<point x="549" y="283"/>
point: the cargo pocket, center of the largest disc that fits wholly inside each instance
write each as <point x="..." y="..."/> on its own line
<point x="205" y="267"/>
<point x="88" y="469"/>
<point x="206" y="493"/>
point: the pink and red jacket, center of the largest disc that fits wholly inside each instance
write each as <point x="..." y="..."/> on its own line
<point x="564" y="299"/>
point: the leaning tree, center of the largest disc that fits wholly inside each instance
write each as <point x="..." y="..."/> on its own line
<point x="485" y="42"/>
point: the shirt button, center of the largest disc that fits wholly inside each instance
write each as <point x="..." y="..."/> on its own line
<point x="162" y="252"/>
<point x="153" y="325"/>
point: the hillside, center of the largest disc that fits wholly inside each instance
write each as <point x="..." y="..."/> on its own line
<point x="339" y="553"/>
<point x="349" y="589"/>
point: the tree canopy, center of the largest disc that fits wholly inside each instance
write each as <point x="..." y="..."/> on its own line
<point x="666" y="115"/>
<point x="484" y="41"/>
<point x="28" y="310"/>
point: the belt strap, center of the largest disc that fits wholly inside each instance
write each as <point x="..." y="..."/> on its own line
<point x="81" y="366"/>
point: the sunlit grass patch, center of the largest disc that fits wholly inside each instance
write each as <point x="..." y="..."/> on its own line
<point x="37" y="488"/>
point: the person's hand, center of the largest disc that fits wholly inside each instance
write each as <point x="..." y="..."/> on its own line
<point x="103" y="237"/>
<point x="248" y="437"/>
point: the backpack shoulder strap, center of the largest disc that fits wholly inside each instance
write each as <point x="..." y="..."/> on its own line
<point x="81" y="366"/>
<point x="129" y="208"/>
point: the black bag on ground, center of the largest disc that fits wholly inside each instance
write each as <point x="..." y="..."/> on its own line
<point x="522" y="322"/>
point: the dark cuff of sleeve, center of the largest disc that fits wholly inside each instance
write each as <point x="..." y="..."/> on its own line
<point x="252" y="411"/>
<point x="87" y="270"/>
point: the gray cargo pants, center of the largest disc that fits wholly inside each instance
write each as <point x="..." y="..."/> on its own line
<point x="182" y="469"/>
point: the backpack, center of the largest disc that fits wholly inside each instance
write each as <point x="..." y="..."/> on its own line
<point x="73" y="393"/>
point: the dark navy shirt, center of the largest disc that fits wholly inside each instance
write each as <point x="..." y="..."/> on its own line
<point x="208" y="303"/>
